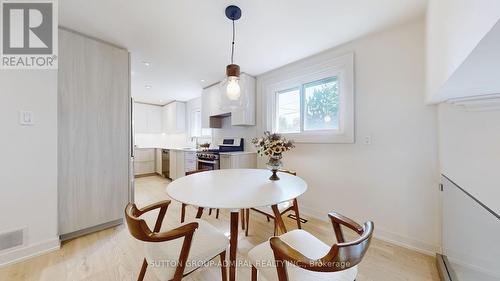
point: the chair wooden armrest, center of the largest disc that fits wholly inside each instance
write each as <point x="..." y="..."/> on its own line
<point x="338" y="220"/>
<point x="162" y="205"/>
<point x="175" y="233"/>
<point x="140" y="230"/>
<point x="157" y="205"/>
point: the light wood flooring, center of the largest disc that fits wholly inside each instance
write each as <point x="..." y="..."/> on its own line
<point x="113" y="254"/>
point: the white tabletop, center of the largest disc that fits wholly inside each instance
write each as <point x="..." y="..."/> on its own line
<point x="235" y="189"/>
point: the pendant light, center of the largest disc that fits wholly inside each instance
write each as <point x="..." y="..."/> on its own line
<point x="231" y="87"/>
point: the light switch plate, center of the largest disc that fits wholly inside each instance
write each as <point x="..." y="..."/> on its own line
<point x="367" y="140"/>
<point x="26" y="118"/>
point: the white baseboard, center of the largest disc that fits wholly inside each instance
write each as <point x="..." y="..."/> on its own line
<point x="384" y="235"/>
<point x="23" y="253"/>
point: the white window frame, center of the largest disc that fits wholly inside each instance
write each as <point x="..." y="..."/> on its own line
<point x="306" y="72"/>
<point x="191" y="125"/>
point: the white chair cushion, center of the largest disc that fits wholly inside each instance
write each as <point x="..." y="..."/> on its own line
<point x="262" y="258"/>
<point x="207" y="243"/>
<point x="281" y="207"/>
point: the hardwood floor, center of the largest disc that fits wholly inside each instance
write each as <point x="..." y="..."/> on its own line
<point x="113" y="254"/>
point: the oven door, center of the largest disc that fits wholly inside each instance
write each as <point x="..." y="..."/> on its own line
<point x="207" y="164"/>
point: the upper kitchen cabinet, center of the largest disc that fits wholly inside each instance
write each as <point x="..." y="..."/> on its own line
<point x="212" y="109"/>
<point x="174" y="117"/>
<point x="147" y="118"/>
<point x="463" y="40"/>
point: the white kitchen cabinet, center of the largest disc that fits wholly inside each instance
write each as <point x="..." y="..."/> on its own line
<point x="147" y="118"/>
<point x="155" y="125"/>
<point x="212" y="106"/>
<point x="158" y="161"/>
<point x="140" y="118"/>
<point x="144" y="161"/>
<point x="181" y="162"/>
<point x="238" y="160"/>
<point x="174" y="118"/>
<point x="189" y="161"/>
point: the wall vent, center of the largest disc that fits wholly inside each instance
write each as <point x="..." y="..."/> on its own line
<point x="11" y="239"/>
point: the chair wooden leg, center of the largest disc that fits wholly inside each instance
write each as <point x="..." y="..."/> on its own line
<point x="254" y="273"/>
<point x="199" y="213"/>
<point x="143" y="270"/>
<point x="275" y="229"/>
<point x="217" y="214"/>
<point x="297" y="215"/>
<point x="223" y="265"/>
<point x="183" y="212"/>
<point x="247" y="219"/>
<point x="210" y="212"/>
<point x="242" y="214"/>
<point x="268" y="219"/>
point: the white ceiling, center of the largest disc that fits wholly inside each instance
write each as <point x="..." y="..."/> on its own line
<point x="187" y="41"/>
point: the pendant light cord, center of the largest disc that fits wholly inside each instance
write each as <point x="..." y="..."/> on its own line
<point x="232" y="46"/>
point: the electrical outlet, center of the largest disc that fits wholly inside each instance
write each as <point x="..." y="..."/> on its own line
<point x="26" y="118"/>
<point x="367" y="140"/>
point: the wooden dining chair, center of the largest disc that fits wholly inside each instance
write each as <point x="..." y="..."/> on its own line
<point x="177" y="252"/>
<point x="299" y="256"/>
<point x="283" y="208"/>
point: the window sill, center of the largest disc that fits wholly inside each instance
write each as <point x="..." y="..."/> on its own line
<point x="320" y="137"/>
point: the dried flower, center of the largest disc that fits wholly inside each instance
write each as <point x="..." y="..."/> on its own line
<point x="272" y="144"/>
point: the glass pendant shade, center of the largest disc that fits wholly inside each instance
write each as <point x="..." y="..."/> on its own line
<point x="233" y="89"/>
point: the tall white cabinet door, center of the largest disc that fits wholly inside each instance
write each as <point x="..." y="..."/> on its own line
<point x="154" y="114"/>
<point x="140" y="118"/>
<point x="93" y="133"/>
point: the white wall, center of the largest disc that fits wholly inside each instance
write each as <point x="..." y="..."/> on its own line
<point x="29" y="160"/>
<point x="454" y="28"/>
<point x="394" y="181"/>
<point x="469" y="149"/>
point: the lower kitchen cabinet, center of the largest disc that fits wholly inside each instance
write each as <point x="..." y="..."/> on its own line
<point x="158" y="160"/>
<point x="238" y="161"/>
<point x="189" y="161"/>
<point x="181" y="161"/>
<point x="144" y="161"/>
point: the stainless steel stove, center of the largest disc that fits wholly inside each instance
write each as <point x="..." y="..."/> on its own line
<point x="209" y="159"/>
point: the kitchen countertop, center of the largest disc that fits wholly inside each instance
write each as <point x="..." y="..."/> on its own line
<point x="169" y="148"/>
<point x="237" y="153"/>
<point x="196" y="150"/>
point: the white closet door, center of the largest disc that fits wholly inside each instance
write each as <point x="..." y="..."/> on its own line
<point x="93" y="124"/>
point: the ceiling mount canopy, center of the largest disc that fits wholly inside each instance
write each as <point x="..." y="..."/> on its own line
<point x="233" y="12"/>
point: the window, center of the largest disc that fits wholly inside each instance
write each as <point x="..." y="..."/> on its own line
<point x="312" y="107"/>
<point x="196" y="129"/>
<point x="288" y="111"/>
<point x="313" y="104"/>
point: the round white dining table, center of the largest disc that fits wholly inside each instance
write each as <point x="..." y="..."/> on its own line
<point x="236" y="189"/>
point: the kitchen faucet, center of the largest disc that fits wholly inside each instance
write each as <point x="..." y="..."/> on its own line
<point x="196" y="139"/>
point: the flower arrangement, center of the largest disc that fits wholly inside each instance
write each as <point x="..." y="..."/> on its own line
<point x="273" y="145"/>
